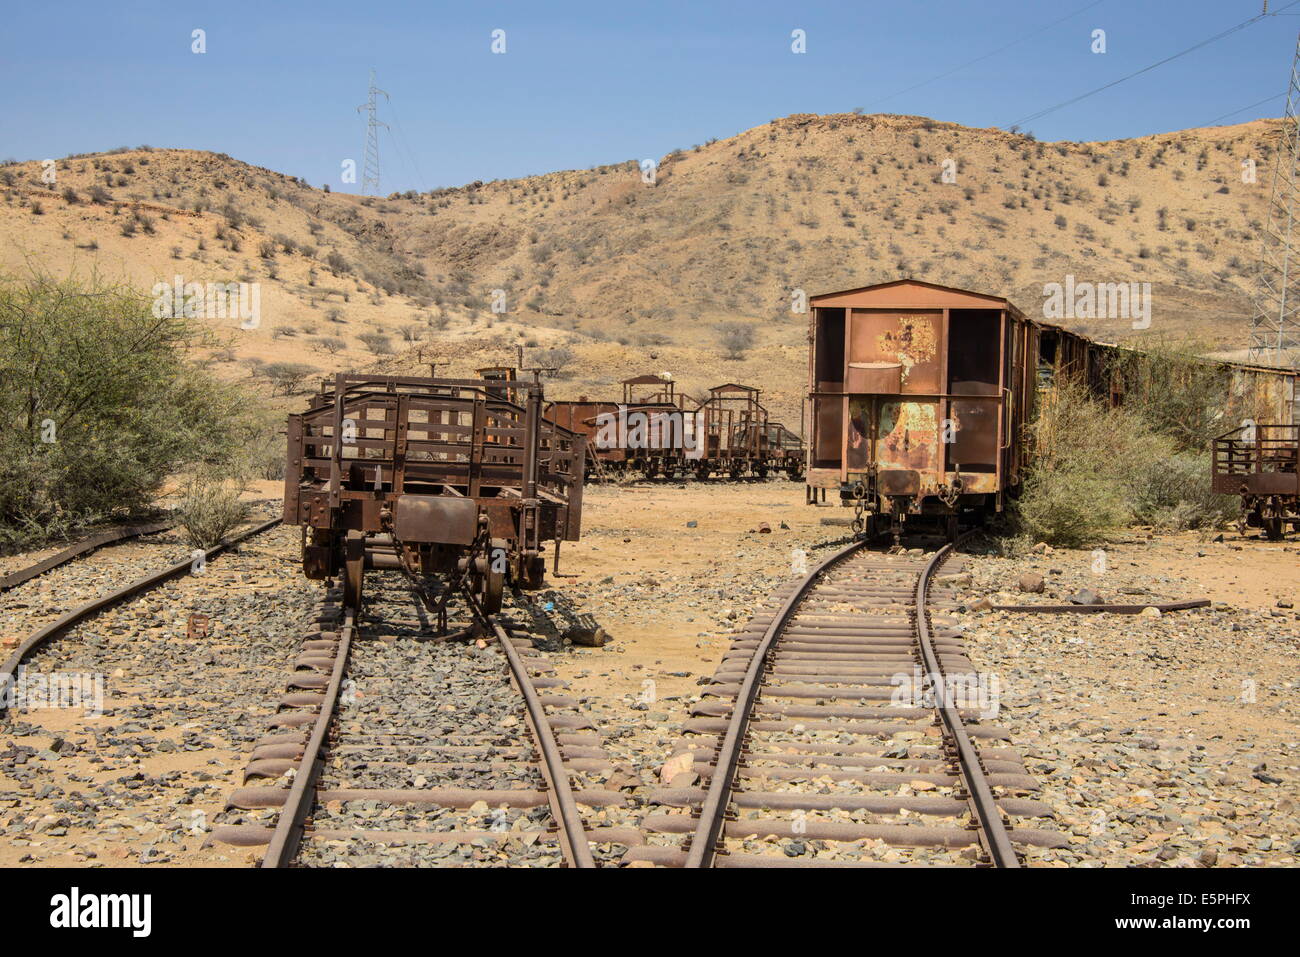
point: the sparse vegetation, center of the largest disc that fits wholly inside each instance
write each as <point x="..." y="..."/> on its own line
<point x="1097" y="469"/>
<point x="211" y="507"/>
<point x="331" y="344"/>
<point x="736" y="338"/>
<point x="287" y="377"/>
<point x="377" y="342"/>
<point x="99" y="403"/>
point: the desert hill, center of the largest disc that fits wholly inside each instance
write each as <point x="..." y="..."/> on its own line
<point x="618" y="272"/>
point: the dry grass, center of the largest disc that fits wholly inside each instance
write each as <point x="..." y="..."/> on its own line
<point x="600" y="262"/>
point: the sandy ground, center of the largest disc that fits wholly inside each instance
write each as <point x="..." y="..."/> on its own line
<point x="649" y="579"/>
<point x="1147" y="746"/>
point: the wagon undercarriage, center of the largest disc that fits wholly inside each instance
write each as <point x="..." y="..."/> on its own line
<point x="462" y="479"/>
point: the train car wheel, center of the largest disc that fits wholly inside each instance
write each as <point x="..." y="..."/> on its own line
<point x="354" y="568"/>
<point x="491" y="587"/>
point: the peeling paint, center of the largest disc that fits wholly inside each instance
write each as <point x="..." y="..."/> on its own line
<point x="914" y="342"/>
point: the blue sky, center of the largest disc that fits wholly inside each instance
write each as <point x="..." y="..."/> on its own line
<point x="588" y="83"/>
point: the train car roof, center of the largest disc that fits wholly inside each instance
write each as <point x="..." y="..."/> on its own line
<point x="1136" y="349"/>
<point x="646" y="380"/>
<point x="913" y="294"/>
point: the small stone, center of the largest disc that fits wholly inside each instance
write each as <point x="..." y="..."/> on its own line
<point x="1031" y="582"/>
<point x="1086" y="596"/>
<point x="1149" y="612"/>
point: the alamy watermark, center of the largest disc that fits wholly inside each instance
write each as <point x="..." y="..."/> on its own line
<point x="638" y="429"/>
<point x="74" y="909"/>
<point x="213" y="300"/>
<point x="1098" y="300"/>
<point x="32" y="691"/>
<point x="980" y="692"/>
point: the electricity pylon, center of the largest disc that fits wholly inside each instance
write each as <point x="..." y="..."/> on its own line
<point x="370" y="170"/>
<point x="1275" y="328"/>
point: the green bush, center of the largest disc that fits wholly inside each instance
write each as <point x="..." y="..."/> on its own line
<point x="1070" y="506"/>
<point x="98" y="404"/>
<point x="1175" y="495"/>
<point x="1097" y="469"/>
<point x="1086" y="457"/>
<point x="1175" y="393"/>
<point x="211" y="508"/>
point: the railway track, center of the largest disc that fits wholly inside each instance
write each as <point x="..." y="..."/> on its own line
<point x="82" y="612"/>
<point x="846" y="726"/>
<point x="85" y="546"/>
<point x="394" y="746"/>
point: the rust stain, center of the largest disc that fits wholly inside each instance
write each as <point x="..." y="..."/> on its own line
<point x="909" y="435"/>
<point x="912" y="343"/>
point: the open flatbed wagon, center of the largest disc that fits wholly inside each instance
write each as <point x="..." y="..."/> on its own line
<point x="1261" y="463"/>
<point x="463" y="478"/>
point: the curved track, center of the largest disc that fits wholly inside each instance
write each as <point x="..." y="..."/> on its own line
<point x="853" y="715"/>
<point x="77" y="549"/>
<point x="77" y="615"/>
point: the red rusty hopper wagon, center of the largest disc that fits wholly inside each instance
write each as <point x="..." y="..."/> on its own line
<point x="456" y="477"/>
<point x="918" y="394"/>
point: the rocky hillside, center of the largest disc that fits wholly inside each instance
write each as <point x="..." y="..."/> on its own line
<point x="626" y="275"/>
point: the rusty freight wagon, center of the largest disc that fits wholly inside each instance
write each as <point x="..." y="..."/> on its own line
<point x="652" y="409"/>
<point x="1261" y="463"/>
<point x="918" y="393"/>
<point x="462" y="478"/>
<point x="741" y="438"/>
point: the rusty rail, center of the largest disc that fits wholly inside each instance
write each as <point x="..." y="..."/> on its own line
<point x="152" y="580"/>
<point x="288" y="832"/>
<point x="1162" y="607"/>
<point x="573" y="836"/>
<point x="83" y="547"/>
<point x="290" y="829"/>
<point x="992" y="832"/>
<point x="704" y="842"/>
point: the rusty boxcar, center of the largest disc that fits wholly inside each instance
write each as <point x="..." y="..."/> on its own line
<point x="917" y="399"/>
<point x="458" y="477"/>
<point x="919" y="395"/>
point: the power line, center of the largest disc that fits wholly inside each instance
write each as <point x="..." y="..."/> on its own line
<point x="985" y="56"/>
<point x="405" y="143"/>
<point x="1224" y="116"/>
<point x="1275" y="326"/>
<point x="1146" y="69"/>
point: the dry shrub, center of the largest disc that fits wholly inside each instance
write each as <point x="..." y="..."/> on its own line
<point x="1098" y="469"/>
<point x="211" y="508"/>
